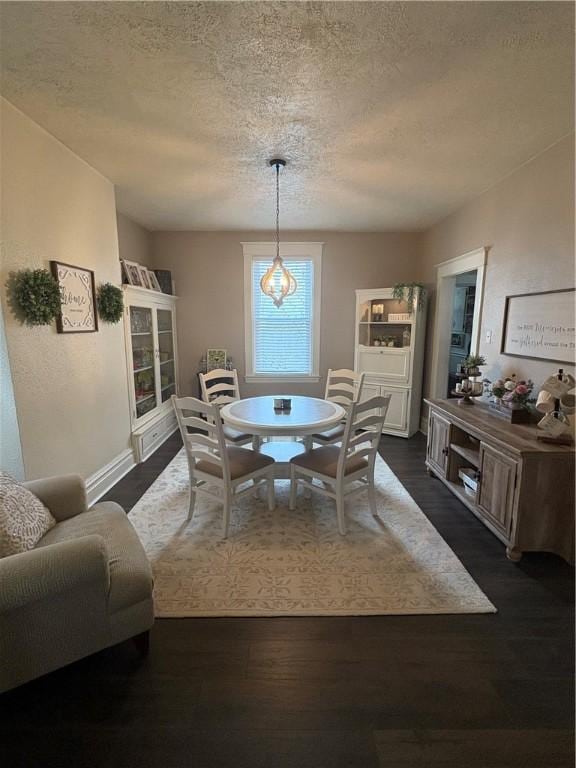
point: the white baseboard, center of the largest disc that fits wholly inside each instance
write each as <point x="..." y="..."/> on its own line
<point x="102" y="480"/>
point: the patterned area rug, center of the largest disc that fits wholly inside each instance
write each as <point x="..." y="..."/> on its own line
<point x="286" y="563"/>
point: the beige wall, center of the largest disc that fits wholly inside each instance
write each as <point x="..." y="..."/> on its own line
<point x="208" y="270"/>
<point x="71" y="390"/>
<point x="134" y="241"/>
<point x="528" y="223"/>
<point x="10" y="446"/>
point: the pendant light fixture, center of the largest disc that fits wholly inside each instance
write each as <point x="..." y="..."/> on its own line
<point x="278" y="282"/>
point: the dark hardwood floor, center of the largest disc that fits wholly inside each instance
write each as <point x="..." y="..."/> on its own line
<point x="479" y="691"/>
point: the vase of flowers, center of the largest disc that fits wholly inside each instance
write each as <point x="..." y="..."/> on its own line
<point x="512" y="398"/>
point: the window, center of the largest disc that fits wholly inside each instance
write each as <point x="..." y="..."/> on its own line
<point x="282" y="343"/>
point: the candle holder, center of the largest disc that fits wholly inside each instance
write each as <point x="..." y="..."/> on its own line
<point x="469" y="390"/>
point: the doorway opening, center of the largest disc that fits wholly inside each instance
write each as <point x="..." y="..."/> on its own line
<point x="454" y="279"/>
<point x="463" y="301"/>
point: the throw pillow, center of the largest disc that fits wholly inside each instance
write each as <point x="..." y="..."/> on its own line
<point x="23" y="517"/>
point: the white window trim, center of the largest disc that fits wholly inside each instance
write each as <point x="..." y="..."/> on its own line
<point x="266" y="251"/>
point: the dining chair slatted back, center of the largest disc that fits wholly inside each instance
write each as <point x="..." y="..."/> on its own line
<point x="211" y="461"/>
<point x="343" y="386"/>
<point x="219" y="386"/>
<point x="363" y="432"/>
<point x="348" y="468"/>
<point x="203" y="438"/>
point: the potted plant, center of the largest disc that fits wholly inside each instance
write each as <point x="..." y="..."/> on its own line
<point x="413" y="294"/>
<point x="472" y="364"/>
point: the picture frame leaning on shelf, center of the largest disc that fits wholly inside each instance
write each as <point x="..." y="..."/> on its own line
<point x="144" y="277"/>
<point x="154" y="284"/>
<point x="215" y="358"/>
<point x="132" y="273"/>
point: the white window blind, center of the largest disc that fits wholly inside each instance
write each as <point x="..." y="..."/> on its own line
<point x="283" y="337"/>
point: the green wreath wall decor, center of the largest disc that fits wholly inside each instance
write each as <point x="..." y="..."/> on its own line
<point x="34" y="296"/>
<point x="110" y="303"/>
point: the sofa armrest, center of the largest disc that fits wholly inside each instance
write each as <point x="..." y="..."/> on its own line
<point x="64" y="495"/>
<point x="54" y="569"/>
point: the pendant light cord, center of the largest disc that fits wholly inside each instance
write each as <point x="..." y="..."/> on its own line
<point x="277" y="210"/>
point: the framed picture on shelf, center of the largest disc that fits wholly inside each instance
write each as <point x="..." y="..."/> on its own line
<point x="132" y="272"/>
<point x="144" y="277"/>
<point x="215" y="358"/>
<point x="154" y="284"/>
<point x="77" y="298"/>
<point x="540" y="326"/>
<point x="164" y="277"/>
<point x="124" y="271"/>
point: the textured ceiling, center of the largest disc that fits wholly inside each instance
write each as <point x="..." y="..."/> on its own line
<point x="390" y="115"/>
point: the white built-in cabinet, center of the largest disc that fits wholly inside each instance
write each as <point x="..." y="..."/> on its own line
<point x="152" y="363"/>
<point x="390" y="353"/>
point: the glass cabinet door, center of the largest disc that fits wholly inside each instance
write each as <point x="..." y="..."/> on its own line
<point x="166" y="353"/>
<point x="142" y="333"/>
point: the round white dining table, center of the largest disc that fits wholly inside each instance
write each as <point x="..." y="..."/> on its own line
<point x="257" y="416"/>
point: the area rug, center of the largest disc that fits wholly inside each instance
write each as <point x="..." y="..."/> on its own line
<point x="285" y="563"/>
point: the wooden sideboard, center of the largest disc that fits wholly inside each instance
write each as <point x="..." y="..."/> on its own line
<point x="525" y="488"/>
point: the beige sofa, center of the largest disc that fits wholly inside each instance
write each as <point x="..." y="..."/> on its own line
<point x="87" y="585"/>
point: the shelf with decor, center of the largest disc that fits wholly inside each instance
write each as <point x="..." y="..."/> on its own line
<point x="389" y="350"/>
<point x="151" y="354"/>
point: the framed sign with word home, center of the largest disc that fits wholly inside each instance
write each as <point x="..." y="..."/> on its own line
<point x="540" y="326"/>
<point x="77" y="298"/>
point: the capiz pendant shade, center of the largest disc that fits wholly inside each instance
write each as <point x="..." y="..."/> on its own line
<point x="277" y="282"/>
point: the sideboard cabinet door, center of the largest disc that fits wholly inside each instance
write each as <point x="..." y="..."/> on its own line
<point x="497" y="483"/>
<point x="438" y="443"/>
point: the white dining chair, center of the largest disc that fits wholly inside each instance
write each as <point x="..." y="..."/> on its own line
<point x="214" y="463"/>
<point x="346" y="469"/>
<point x="219" y="387"/>
<point x="343" y="386"/>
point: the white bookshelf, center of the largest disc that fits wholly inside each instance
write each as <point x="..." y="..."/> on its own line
<point x="390" y="353"/>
